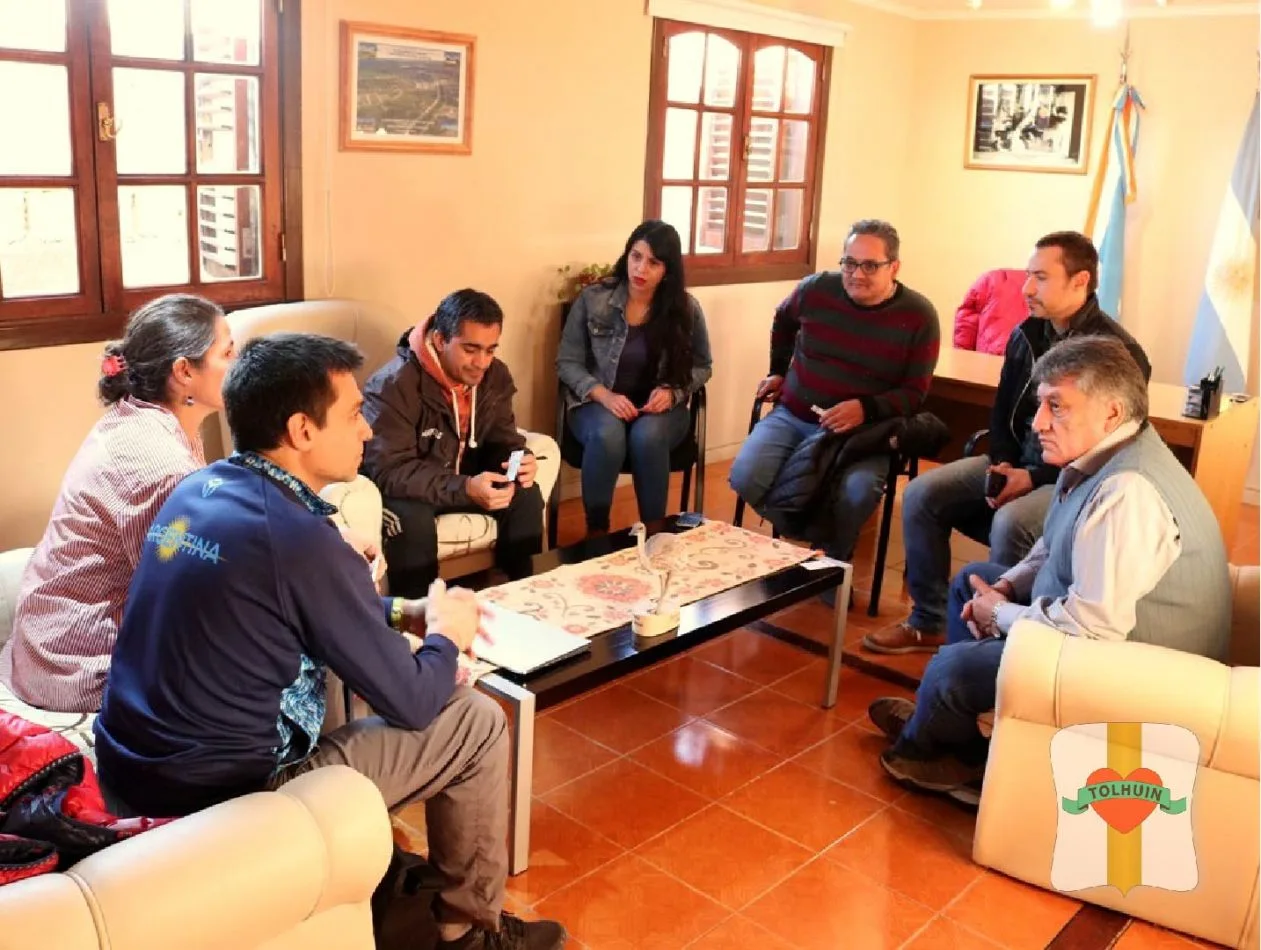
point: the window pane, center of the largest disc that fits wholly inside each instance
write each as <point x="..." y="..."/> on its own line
<point x="35" y="99"/>
<point x="676" y="209"/>
<point x="39" y="254"/>
<point x="685" y="58"/>
<point x="227" y="123"/>
<point x="792" y="163"/>
<point x="722" y="72"/>
<point x="27" y="24"/>
<point x="757" y="220"/>
<point x="153" y="227"/>
<point x="762" y="144"/>
<point x="678" y="154"/>
<point x="149" y="108"/>
<point x="226" y="31"/>
<point x="711" y="221"/>
<point x="768" y="78"/>
<point x="229" y="229"/>
<point x="154" y="30"/>
<point x="788" y="209"/>
<point x="799" y="84"/>
<point x="715" y="146"/>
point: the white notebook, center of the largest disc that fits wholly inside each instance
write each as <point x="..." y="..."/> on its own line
<point x="523" y="644"/>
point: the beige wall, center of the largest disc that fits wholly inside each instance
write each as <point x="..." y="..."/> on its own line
<point x="1197" y="77"/>
<point x="556" y="176"/>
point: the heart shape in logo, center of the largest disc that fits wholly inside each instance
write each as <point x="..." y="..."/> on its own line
<point x="1124" y="814"/>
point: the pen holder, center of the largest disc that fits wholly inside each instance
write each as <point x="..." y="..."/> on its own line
<point x="1205" y="400"/>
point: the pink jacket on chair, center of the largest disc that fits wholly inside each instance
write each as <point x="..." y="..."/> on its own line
<point x="993" y="307"/>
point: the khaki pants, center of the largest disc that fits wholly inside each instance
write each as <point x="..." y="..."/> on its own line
<point x="458" y="767"/>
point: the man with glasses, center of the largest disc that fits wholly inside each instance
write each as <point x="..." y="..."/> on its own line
<point x="1008" y="509"/>
<point x="847" y="348"/>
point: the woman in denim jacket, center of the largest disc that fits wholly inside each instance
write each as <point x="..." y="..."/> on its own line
<point x="633" y="351"/>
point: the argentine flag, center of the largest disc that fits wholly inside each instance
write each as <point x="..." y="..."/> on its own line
<point x="1223" y="322"/>
<point x="1116" y="186"/>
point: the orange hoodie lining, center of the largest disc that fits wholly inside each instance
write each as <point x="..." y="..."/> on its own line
<point x="461" y="395"/>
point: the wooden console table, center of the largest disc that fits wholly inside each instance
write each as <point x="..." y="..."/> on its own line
<point x="1217" y="453"/>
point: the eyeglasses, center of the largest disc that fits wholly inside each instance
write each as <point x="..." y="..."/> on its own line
<point x="849" y="265"/>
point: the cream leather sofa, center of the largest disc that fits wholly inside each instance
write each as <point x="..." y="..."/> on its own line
<point x="1048" y="681"/>
<point x="464" y="540"/>
<point x="292" y="869"/>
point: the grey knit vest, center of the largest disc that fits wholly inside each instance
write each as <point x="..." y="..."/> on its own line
<point x="1189" y="609"/>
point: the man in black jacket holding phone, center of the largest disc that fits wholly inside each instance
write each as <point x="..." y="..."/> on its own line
<point x="1002" y="497"/>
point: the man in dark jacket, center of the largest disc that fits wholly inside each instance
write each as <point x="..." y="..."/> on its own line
<point x="443" y="429"/>
<point x="1060" y="289"/>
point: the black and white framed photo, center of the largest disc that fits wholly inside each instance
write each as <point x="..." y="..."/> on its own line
<point x="1030" y="123"/>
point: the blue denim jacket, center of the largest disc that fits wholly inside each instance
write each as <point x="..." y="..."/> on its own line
<point x="594" y="335"/>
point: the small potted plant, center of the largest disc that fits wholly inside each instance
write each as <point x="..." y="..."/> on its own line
<point x="572" y="284"/>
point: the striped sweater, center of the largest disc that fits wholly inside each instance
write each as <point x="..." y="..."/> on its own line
<point x="830" y="349"/>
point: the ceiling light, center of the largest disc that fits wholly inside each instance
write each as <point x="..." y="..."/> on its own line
<point x="1061" y="4"/>
<point x="1105" y="13"/>
<point x="974" y="4"/>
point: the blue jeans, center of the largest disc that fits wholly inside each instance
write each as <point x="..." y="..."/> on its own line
<point x="606" y="441"/>
<point x="952" y="497"/>
<point x="959" y="683"/>
<point x="764" y="452"/>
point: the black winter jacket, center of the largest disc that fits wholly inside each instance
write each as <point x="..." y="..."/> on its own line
<point x="808" y="478"/>
<point x="1012" y="438"/>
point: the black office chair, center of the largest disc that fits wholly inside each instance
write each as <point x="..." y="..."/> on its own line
<point x="688" y="454"/>
<point x="898" y="465"/>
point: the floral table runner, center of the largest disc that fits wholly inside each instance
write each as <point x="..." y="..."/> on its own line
<point x="599" y="595"/>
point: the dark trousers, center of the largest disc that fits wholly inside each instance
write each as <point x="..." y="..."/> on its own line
<point x="412" y="555"/>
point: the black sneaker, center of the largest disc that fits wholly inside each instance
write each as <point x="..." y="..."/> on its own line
<point x="969" y="794"/>
<point x="513" y="934"/>
<point x="943" y="773"/>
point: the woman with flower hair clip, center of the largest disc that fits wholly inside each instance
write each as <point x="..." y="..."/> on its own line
<point x="158" y="384"/>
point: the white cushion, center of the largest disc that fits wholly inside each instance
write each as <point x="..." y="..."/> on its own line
<point x="12" y="564"/>
<point x="358" y="507"/>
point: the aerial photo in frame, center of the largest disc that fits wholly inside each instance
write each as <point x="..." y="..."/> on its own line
<point x="406" y="90"/>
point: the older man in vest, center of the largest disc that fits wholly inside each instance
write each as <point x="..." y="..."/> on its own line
<point x="1130" y="551"/>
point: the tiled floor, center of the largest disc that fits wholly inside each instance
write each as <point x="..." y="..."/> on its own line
<point x="709" y="803"/>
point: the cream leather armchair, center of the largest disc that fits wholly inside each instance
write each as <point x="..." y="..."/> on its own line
<point x="464" y="540"/>
<point x="292" y="869"/>
<point x="1048" y="681"/>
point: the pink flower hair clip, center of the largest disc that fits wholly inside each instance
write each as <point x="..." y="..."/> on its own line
<point x="112" y="365"/>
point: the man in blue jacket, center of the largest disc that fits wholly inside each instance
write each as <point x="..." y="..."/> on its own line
<point x="245" y="595"/>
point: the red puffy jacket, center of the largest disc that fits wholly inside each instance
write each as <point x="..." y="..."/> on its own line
<point x="994" y="306"/>
<point x="51" y="811"/>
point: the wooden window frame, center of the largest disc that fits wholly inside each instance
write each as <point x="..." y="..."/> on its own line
<point x="100" y="309"/>
<point x="732" y="266"/>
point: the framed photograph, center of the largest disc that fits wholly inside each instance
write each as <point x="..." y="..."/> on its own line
<point x="1030" y="123"/>
<point x="406" y="90"/>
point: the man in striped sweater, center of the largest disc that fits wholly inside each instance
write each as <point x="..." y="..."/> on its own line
<point x="847" y="348"/>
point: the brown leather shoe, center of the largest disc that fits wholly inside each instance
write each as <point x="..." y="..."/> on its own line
<point x="890" y="714"/>
<point x="903" y="639"/>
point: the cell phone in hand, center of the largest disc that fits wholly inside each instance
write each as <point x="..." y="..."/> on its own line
<point x="995" y="482"/>
<point x="514" y="463"/>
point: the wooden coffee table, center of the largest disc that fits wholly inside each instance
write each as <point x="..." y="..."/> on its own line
<point x="618" y="652"/>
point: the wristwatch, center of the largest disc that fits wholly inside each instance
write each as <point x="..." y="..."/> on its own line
<point x="396" y="613"/>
